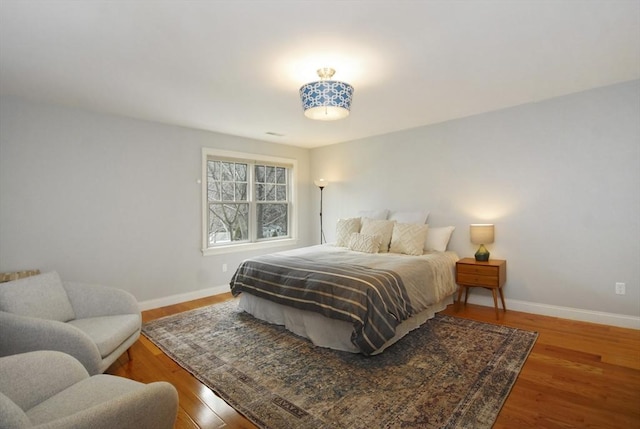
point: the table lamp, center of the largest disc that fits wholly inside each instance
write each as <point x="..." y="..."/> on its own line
<point x="481" y="233"/>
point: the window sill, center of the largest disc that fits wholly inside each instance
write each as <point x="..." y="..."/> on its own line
<point x="244" y="247"/>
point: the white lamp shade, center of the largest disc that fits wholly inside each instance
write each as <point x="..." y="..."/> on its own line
<point x="320" y="183"/>
<point x="481" y="233"/>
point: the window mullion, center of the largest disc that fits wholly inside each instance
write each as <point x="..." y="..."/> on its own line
<point x="253" y="218"/>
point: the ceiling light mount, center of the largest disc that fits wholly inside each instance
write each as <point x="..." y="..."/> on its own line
<point x="326" y="73"/>
<point x="326" y="99"/>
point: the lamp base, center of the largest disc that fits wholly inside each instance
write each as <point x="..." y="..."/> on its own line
<point x="482" y="255"/>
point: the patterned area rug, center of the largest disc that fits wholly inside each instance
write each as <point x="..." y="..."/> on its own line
<point x="450" y="373"/>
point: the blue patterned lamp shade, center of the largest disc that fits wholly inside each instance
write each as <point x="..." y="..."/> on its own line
<point x="326" y="100"/>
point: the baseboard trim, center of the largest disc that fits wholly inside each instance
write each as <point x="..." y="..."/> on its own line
<point x="600" y="317"/>
<point x="613" y="319"/>
<point x="182" y="297"/>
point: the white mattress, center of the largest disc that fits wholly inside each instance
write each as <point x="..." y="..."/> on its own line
<point x="325" y="332"/>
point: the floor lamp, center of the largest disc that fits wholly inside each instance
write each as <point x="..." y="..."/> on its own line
<point x="321" y="183"/>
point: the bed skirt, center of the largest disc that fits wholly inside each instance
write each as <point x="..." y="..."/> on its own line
<point x="325" y="332"/>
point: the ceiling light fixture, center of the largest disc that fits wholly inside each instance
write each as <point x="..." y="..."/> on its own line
<point x="326" y="100"/>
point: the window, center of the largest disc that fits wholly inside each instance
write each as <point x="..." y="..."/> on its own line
<point x="247" y="201"/>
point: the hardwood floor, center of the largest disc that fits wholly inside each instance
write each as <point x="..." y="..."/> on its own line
<point x="578" y="375"/>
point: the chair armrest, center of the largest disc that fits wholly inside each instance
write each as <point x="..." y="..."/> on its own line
<point x="152" y="406"/>
<point x="21" y="334"/>
<point x="30" y="378"/>
<point x="96" y="300"/>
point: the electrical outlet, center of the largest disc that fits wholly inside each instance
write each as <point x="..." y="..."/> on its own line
<point x="620" y="288"/>
<point x="224" y="268"/>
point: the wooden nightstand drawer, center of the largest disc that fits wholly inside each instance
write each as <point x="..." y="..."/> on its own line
<point x="478" y="269"/>
<point x="474" y="279"/>
<point x="491" y="274"/>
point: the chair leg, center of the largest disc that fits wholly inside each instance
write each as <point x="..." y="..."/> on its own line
<point x="129" y="354"/>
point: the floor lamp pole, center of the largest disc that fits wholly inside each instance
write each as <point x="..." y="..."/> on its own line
<point x="321" y="183"/>
<point x="321" y="230"/>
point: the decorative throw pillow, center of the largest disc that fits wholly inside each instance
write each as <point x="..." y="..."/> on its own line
<point x="41" y="296"/>
<point x="374" y="214"/>
<point x="408" y="238"/>
<point x="364" y="243"/>
<point x="410" y="217"/>
<point x="344" y="229"/>
<point x="438" y="238"/>
<point x="383" y="228"/>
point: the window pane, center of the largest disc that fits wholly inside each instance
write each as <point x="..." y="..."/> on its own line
<point x="228" y="191"/>
<point x="210" y="170"/>
<point x="213" y="192"/>
<point x="241" y="172"/>
<point x="270" y="194"/>
<point x="227" y="171"/>
<point x="260" y="192"/>
<point x="213" y="187"/>
<point x="273" y="220"/>
<point x="271" y="174"/>
<point x="241" y="192"/>
<point x="281" y="193"/>
<point x="281" y="175"/>
<point x="228" y="222"/>
<point x="213" y="169"/>
<point x="260" y="173"/>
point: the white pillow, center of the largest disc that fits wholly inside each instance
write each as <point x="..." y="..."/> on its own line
<point x="374" y="214"/>
<point x="383" y="228"/>
<point x="408" y="238"/>
<point x="364" y="243"/>
<point x="344" y="229"/>
<point x="438" y="238"/>
<point x="410" y="217"/>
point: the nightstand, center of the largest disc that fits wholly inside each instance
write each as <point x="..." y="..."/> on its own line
<point x="491" y="274"/>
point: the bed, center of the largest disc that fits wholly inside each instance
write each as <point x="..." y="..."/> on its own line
<point x="344" y="299"/>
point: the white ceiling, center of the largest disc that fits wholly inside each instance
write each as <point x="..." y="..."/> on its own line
<point x="235" y="67"/>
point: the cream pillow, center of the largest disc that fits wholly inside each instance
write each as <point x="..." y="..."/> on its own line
<point x="408" y="238"/>
<point x="438" y="238"/>
<point x="344" y="229"/>
<point x="383" y="228"/>
<point x="364" y="243"/>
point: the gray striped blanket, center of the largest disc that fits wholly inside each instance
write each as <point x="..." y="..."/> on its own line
<point x="374" y="300"/>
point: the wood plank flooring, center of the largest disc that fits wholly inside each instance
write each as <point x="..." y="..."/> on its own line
<point x="578" y="375"/>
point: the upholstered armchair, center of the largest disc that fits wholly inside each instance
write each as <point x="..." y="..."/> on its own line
<point x="49" y="389"/>
<point x="94" y="324"/>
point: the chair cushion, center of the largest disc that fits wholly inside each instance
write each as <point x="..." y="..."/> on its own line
<point x="12" y="415"/>
<point x="41" y="296"/>
<point x="108" y="332"/>
<point x="81" y="396"/>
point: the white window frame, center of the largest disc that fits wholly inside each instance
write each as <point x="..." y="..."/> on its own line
<point x="251" y="245"/>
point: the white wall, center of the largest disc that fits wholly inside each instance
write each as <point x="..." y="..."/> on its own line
<point x="115" y="201"/>
<point x="110" y="200"/>
<point x="559" y="178"/>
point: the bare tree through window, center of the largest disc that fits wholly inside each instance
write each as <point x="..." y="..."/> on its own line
<point x="231" y="202"/>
